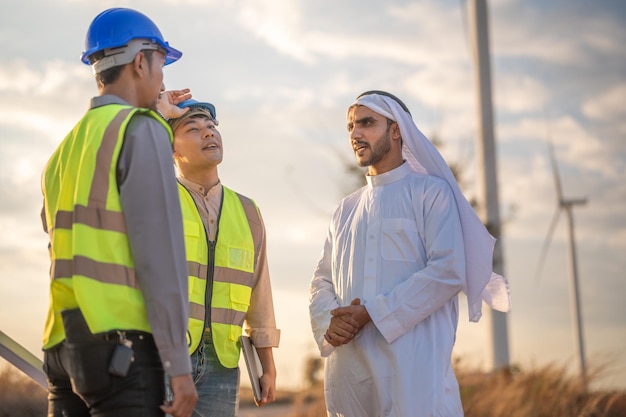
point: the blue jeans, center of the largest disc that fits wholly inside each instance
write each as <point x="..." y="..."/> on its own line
<point x="217" y="386"/>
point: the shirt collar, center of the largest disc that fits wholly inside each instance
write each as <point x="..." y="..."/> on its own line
<point x="388" y="177"/>
<point x="105" y="99"/>
<point x="190" y="185"/>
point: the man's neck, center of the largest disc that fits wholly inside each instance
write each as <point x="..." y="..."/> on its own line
<point x="205" y="179"/>
<point x="385" y="166"/>
<point x="124" y="89"/>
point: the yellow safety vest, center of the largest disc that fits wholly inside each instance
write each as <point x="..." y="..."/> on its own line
<point x="229" y="263"/>
<point x="91" y="263"/>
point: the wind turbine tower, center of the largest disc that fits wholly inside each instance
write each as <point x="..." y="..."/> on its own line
<point x="567" y="206"/>
<point x="487" y="193"/>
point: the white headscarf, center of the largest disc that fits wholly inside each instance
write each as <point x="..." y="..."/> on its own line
<point x="480" y="282"/>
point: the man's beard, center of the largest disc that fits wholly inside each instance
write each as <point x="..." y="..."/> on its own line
<point x="378" y="151"/>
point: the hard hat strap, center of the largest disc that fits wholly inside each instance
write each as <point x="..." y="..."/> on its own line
<point x="122" y="55"/>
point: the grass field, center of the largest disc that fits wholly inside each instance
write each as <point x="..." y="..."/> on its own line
<point x="548" y="391"/>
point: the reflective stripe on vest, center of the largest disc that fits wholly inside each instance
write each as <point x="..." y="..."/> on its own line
<point x="239" y="231"/>
<point x="91" y="263"/>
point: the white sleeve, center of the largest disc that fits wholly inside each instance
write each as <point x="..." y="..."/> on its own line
<point x="322" y="297"/>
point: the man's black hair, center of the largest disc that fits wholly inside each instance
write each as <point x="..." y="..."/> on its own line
<point x="384" y="93"/>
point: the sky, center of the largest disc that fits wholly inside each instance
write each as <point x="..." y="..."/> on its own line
<point x="282" y="73"/>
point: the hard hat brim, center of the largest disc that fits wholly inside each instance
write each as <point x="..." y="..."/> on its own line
<point x="172" y="54"/>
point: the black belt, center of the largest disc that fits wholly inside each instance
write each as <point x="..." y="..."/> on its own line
<point x="137" y="337"/>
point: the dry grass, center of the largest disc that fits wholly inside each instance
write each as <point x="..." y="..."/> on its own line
<point x="20" y="396"/>
<point x="310" y="403"/>
<point x="544" y="392"/>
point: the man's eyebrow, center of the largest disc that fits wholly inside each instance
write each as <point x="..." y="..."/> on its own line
<point x="195" y="118"/>
<point x="364" y="120"/>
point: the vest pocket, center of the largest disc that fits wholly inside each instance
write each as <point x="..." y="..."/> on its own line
<point x="239" y="304"/>
<point x="241" y="259"/>
<point x="192" y="234"/>
<point x="240" y="298"/>
<point x="234" y="333"/>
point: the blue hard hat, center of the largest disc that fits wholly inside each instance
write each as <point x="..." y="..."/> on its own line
<point x="191" y="103"/>
<point x="115" y="27"/>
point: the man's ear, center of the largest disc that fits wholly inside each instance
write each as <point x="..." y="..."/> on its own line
<point x="139" y="63"/>
<point x="395" y="131"/>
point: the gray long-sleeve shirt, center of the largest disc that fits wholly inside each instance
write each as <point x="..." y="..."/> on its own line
<point x="149" y="198"/>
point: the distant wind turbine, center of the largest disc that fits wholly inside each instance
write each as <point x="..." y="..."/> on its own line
<point x="567" y="206"/>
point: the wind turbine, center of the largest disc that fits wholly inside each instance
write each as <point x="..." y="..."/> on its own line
<point x="567" y="206"/>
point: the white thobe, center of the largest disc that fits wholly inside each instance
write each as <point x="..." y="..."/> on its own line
<point x="397" y="245"/>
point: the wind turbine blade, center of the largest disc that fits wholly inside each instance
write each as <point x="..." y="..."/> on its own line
<point x="546" y="243"/>
<point x="555" y="172"/>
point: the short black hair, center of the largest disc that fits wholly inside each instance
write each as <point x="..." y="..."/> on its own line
<point x="384" y="93"/>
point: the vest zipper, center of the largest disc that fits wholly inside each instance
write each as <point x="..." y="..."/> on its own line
<point x="208" y="293"/>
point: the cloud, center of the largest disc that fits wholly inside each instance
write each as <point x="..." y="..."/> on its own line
<point x="520" y="94"/>
<point x="275" y="22"/>
<point x="206" y="4"/>
<point x="608" y="105"/>
<point x="544" y="33"/>
<point x="17" y="77"/>
<point x="46" y="99"/>
<point x="284" y="26"/>
<point x="449" y="88"/>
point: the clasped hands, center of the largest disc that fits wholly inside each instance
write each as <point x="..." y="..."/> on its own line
<point x="346" y="322"/>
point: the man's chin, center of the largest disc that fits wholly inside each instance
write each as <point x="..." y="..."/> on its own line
<point x="362" y="162"/>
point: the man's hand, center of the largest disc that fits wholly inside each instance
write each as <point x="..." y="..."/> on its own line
<point x="185" y="397"/>
<point x="356" y="311"/>
<point x="341" y="330"/>
<point x="346" y="323"/>
<point x="268" y="379"/>
<point x="168" y="100"/>
<point x="268" y="389"/>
